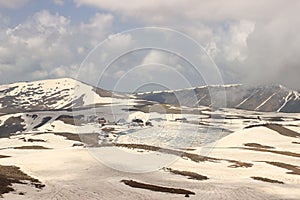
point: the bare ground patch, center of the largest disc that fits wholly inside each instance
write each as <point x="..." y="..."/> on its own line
<point x="11" y="174"/>
<point x="266" y="180"/>
<point x="90" y="139"/>
<point x="69" y="136"/>
<point x="278" y="128"/>
<point x="239" y="164"/>
<point x="35" y="140"/>
<point x="108" y="129"/>
<point x="295" y="142"/>
<point x="190" y="175"/>
<point x="187" y="149"/>
<point x="33" y="147"/>
<point x="285" y="153"/>
<point x="31" y="140"/>
<point x="2" y="156"/>
<point x="193" y="157"/>
<point x="43" y="122"/>
<point x="256" y="145"/>
<point x="72" y="120"/>
<point x="293" y="168"/>
<point x="157" y="188"/>
<point x="103" y="93"/>
<point x="11" y="125"/>
<point x="283" y="131"/>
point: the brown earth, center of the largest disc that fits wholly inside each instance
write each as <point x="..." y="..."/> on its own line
<point x="11" y="174"/>
<point x="285" y="153"/>
<point x="72" y="120"/>
<point x="193" y="157"/>
<point x="2" y="156"/>
<point x="32" y="147"/>
<point x="279" y="129"/>
<point x="266" y="180"/>
<point x="191" y="175"/>
<point x="293" y="168"/>
<point x="296" y="142"/>
<point x="156" y="188"/>
<point x="256" y="145"/>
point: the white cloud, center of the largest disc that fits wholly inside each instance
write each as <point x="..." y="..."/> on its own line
<point x="64" y="71"/>
<point x="159" y="57"/>
<point x="158" y="11"/>
<point x="59" y="2"/>
<point x="154" y="67"/>
<point x="119" y="74"/>
<point x="212" y="49"/>
<point x="244" y="37"/>
<point x="122" y="41"/>
<point x="39" y="74"/>
<point x="98" y="25"/>
<point x="234" y="40"/>
<point x="47" y="45"/>
<point x="12" y="3"/>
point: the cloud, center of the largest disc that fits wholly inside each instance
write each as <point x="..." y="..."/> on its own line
<point x="148" y="66"/>
<point x="254" y="42"/>
<point x="12" y="3"/>
<point x="97" y="26"/>
<point x="48" y="45"/>
<point x="160" y="57"/>
<point x="273" y="52"/>
<point x="59" y="2"/>
<point x="235" y="40"/>
<point x="98" y="62"/>
<point x="215" y="10"/>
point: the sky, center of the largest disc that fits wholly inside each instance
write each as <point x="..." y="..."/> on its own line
<point x="128" y="45"/>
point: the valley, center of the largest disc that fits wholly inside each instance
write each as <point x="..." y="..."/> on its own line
<point x="79" y="141"/>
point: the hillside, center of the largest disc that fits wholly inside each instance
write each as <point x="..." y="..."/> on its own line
<point x="275" y="98"/>
<point x="52" y="94"/>
<point x="66" y="93"/>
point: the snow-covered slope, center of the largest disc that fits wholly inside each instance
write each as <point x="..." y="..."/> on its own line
<point x="68" y="93"/>
<point x="274" y="98"/>
<point x="51" y="94"/>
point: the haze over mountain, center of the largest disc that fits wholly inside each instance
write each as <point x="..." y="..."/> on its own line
<point x="68" y="93"/>
<point x="273" y="98"/>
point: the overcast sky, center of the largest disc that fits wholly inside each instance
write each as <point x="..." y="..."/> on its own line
<point x="253" y="42"/>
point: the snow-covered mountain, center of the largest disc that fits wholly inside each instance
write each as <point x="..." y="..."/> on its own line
<point x="52" y="94"/>
<point x="66" y="93"/>
<point x="275" y="98"/>
<point x="133" y="135"/>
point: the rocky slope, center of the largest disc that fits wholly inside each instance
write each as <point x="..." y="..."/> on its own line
<point x="275" y="98"/>
<point x="66" y="93"/>
<point x="53" y="94"/>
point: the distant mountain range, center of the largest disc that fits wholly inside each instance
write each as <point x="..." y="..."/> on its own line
<point x="275" y="98"/>
<point x="66" y="93"/>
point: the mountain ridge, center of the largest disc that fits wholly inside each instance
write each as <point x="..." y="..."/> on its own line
<point x="265" y="98"/>
<point x="51" y="94"/>
<point x="69" y="93"/>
